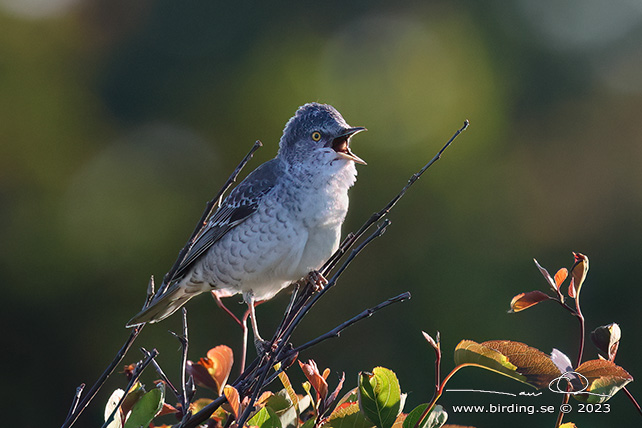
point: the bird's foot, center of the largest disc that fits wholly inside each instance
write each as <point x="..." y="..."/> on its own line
<point x="262" y="346"/>
<point x="316" y="280"/>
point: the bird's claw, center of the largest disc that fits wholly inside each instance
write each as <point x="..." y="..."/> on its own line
<point x="262" y="346"/>
<point x="316" y="280"/>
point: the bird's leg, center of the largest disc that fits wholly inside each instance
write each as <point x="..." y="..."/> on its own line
<point x="261" y="345"/>
<point x="245" y="334"/>
<point x="242" y="323"/>
<point x="316" y="280"/>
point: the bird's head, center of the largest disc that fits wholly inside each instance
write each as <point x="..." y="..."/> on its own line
<point x="318" y="131"/>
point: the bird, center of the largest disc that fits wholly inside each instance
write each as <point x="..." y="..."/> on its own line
<point x="280" y="224"/>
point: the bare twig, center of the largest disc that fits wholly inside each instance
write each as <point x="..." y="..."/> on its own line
<point x="304" y="309"/>
<point x="255" y="376"/>
<point x="353" y="237"/>
<point x="633" y="400"/>
<point x="73" y="416"/>
<point x="71" y="419"/>
<point x="186" y="393"/>
<point x="209" y="210"/>
<point x="163" y="376"/>
<point x="140" y="367"/>
<point x="76" y="400"/>
<point x="336" y="332"/>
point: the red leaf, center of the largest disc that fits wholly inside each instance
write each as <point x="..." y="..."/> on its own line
<point x="311" y="371"/>
<point x="546" y="275"/>
<point x="222" y="359"/>
<point x="578" y="274"/>
<point x="560" y="276"/>
<point x="232" y="396"/>
<point x="167" y="409"/>
<point x="526" y="300"/>
<point x="201" y="375"/>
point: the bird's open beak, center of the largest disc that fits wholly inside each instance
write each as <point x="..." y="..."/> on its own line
<point x="341" y="145"/>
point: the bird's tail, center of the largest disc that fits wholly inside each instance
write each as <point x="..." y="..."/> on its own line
<point x="164" y="306"/>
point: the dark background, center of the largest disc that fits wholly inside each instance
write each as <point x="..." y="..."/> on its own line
<point x="119" y="120"/>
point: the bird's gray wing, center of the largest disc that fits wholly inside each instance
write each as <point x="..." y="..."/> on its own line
<point x="237" y="207"/>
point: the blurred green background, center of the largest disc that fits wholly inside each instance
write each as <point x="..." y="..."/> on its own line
<point x="119" y="120"/>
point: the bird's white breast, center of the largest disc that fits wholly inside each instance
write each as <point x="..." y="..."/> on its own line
<point x="295" y="229"/>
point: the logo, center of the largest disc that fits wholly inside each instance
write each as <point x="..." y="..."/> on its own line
<point x="574" y="383"/>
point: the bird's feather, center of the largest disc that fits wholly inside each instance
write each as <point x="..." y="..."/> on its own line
<point x="236" y="208"/>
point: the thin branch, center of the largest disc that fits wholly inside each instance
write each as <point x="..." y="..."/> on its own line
<point x="257" y="375"/>
<point x="633" y="400"/>
<point x="76" y="400"/>
<point x="71" y="419"/>
<point x="580" y="318"/>
<point x="285" y="336"/>
<point x="201" y="416"/>
<point x="352" y="238"/>
<point x="185" y="395"/>
<point x="163" y="376"/>
<point x="336" y="332"/>
<point x="140" y="367"/>
<point x="209" y="210"/>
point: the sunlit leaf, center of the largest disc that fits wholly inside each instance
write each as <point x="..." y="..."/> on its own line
<point x="546" y="275"/>
<point x="348" y="415"/>
<point x="532" y="363"/>
<point x="232" y="396"/>
<point x="112" y="402"/>
<point x="318" y="382"/>
<point x="201" y="375"/>
<point x="350" y="397"/>
<point x="526" y="300"/>
<point x="167" y="409"/>
<point x="513" y="359"/>
<point x="399" y="421"/>
<point x="222" y="359"/>
<point x="380" y="396"/>
<point x="578" y="274"/>
<point x="278" y="402"/>
<point x="333" y="396"/>
<point x="285" y="380"/>
<point x="435" y="419"/>
<point x="265" y="418"/>
<point x="146" y="409"/>
<point x="560" y="276"/>
<point x="134" y="394"/>
<point x="198" y="405"/>
<point x="283" y="408"/>
<point x="433" y="342"/>
<point x="604" y="378"/>
<point x="212" y="372"/>
<point x="607" y="340"/>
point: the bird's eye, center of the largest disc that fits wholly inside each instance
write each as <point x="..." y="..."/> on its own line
<point x="316" y="135"/>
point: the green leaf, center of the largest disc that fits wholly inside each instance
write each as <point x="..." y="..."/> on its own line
<point x="283" y="407"/>
<point x="146" y="408"/>
<point x="265" y="418"/>
<point x="513" y="359"/>
<point x="310" y="423"/>
<point x="348" y="415"/>
<point x="380" y="396"/>
<point x="604" y="377"/>
<point x="435" y="419"/>
<point x="350" y="396"/>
